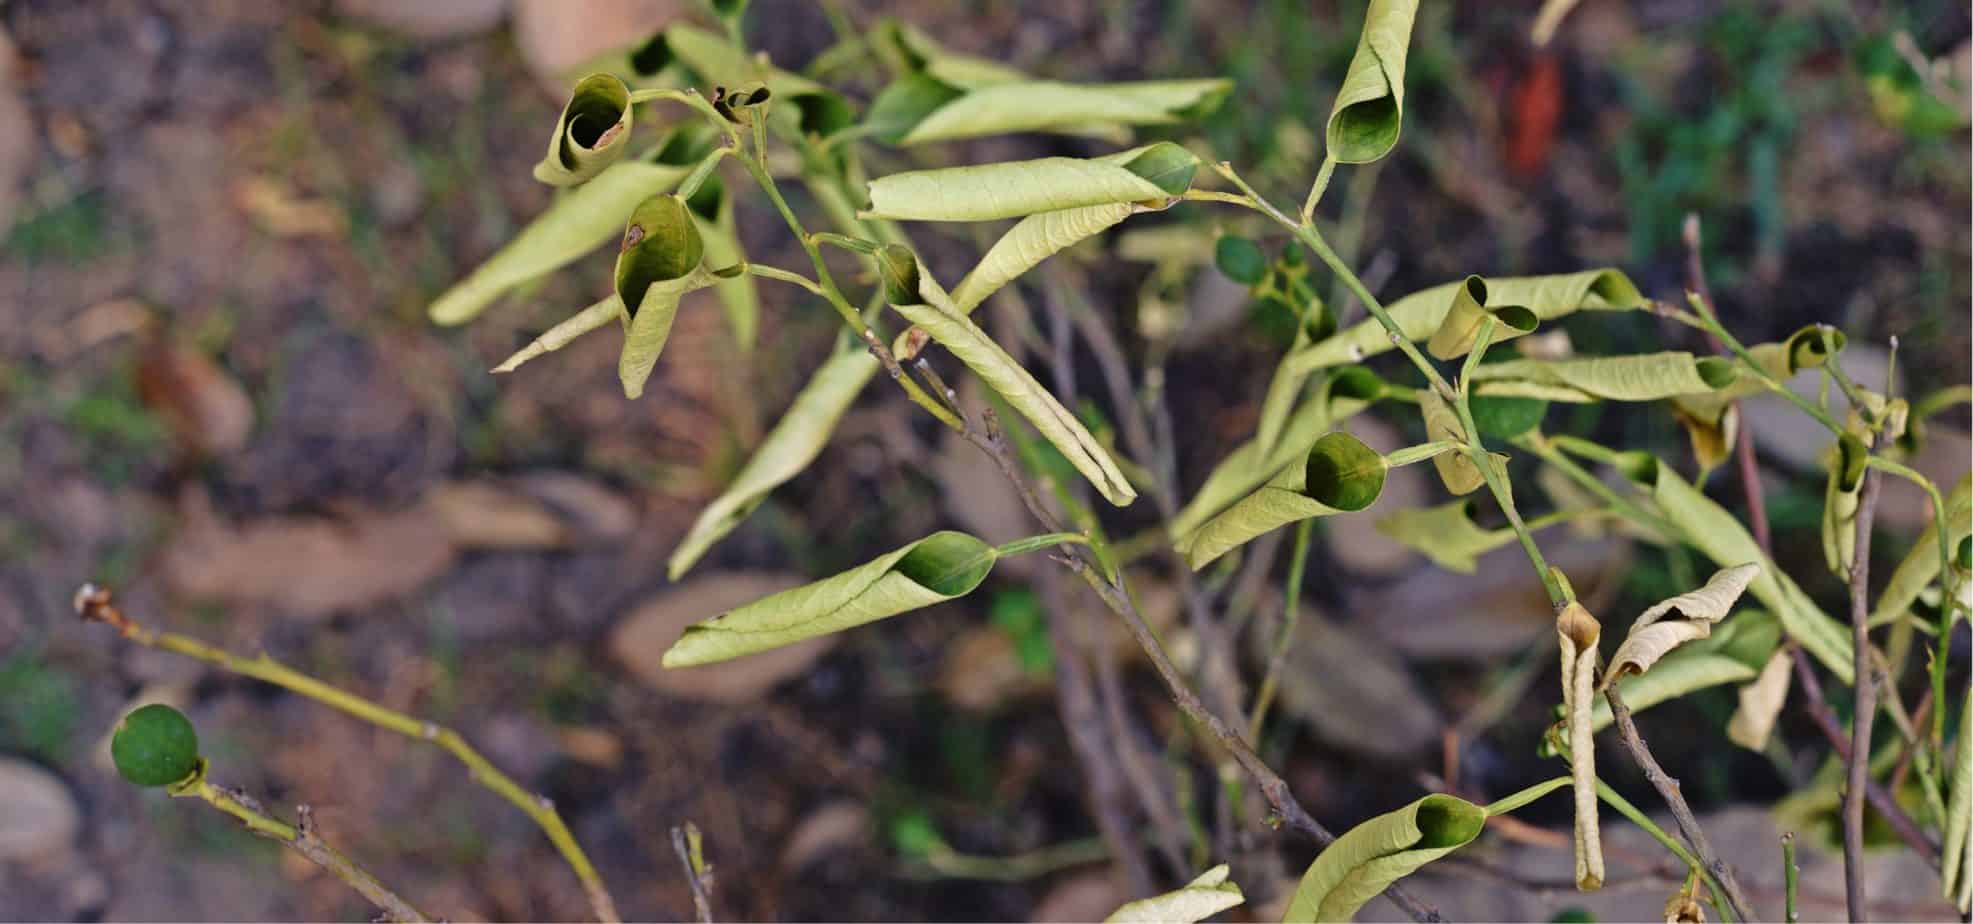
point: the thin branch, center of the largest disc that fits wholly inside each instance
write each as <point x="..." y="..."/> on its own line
<point x="686" y="843"/>
<point x="1832" y="729"/>
<point x="1866" y="703"/>
<point x="1668" y="788"/>
<point x="1743" y="449"/>
<point x="302" y="838"/>
<point x="96" y="604"/>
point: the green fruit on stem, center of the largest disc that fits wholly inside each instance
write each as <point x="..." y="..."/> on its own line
<point x="155" y="746"/>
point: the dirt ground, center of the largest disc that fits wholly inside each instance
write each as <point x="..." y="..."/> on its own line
<point x="219" y="394"/>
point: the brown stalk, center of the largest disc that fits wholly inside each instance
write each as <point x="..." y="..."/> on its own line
<point x="1866" y="704"/>
<point x="1668" y="788"/>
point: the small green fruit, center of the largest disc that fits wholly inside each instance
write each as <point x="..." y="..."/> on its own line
<point x="155" y="746"/>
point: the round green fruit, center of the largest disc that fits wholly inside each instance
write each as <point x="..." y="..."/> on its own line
<point x="155" y="746"/>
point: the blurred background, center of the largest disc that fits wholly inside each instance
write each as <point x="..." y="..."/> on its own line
<point x="219" y="394"/>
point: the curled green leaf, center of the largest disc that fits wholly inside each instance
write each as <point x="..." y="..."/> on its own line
<point x="932" y="570"/>
<point x="1642" y="377"/>
<point x="1419" y="314"/>
<point x="1361" y="864"/>
<point x="1211" y="893"/>
<point x="561" y="335"/>
<point x="1339" y="475"/>
<point x="812" y="109"/>
<point x="1369" y="110"/>
<point x="1840" y="499"/>
<point x="918" y="297"/>
<point x="591" y="134"/>
<point x="1471" y="308"/>
<point x="663" y="257"/>
<point x="795" y="441"/>
<point x="1016" y="189"/>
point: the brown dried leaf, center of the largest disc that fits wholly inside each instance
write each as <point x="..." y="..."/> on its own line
<point x="206" y="410"/>
<point x="640" y="639"/>
<point x="485" y="515"/>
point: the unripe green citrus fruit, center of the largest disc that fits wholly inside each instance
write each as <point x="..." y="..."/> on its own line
<point x="155" y="746"/>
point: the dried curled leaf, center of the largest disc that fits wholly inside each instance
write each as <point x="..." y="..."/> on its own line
<point x="1840" y="499"/>
<point x="918" y="297"/>
<point x="1362" y="863"/>
<point x="932" y="570"/>
<point x="1470" y="309"/>
<point x="1211" y="893"/>
<point x="795" y="441"/>
<point x="1579" y="633"/>
<point x="1735" y="653"/>
<point x="1016" y="189"/>
<point x="1339" y="475"/>
<point x="1684" y="618"/>
<point x="591" y="134"/>
<point x="1419" y="314"/>
<point x="1760" y="704"/>
<point x="1369" y="110"/>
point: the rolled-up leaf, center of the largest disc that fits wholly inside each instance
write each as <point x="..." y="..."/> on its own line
<point x="1840" y="499"/>
<point x="1709" y="528"/>
<point x="1579" y="633"/>
<point x="561" y="335"/>
<point x="1339" y="475"/>
<point x="932" y="570"/>
<point x="1710" y="427"/>
<point x="663" y="257"/>
<point x="918" y="297"/>
<point x="1250" y="465"/>
<point x="1446" y="534"/>
<point x="1361" y="864"/>
<point x="1016" y="189"/>
<point x="1456" y="471"/>
<point x="1688" y="617"/>
<point x="1470" y="308"/>
<point x="1210" y="894"/>
<point x="1419" y="314"/>
<point x="1369" y="110"/>
<point x="1760" y="704"/>
<point x="592" y="134"/>
<point x="795" y="441"/>
<point x="1032" y="240"/>
<point x="1641" y="377"/>
<point x="578" y="222"/>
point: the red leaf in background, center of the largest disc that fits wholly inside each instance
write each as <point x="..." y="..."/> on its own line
<point x="1535" y="109"/>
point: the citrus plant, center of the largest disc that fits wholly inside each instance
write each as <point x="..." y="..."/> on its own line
<point x="658" y="142"/>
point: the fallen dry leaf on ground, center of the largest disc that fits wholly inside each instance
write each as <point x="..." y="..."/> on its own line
<point x="639" y="640"/>
<point x="277" y="209"/>
<point x="1500" y="609"/>
<point x="835" y="826"/>
<point x="982" y="669"/>
<point x="486" y="515"/>
<point x="205" y="408"/>
<point x="1353" y="691"/>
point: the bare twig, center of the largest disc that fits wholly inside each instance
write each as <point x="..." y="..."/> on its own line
<point x="1668" y="788"/>
<point x="96" y="604"/>
<point x="686" y="843"/>
<point x="1880" y="798"/>
<point x="1866" y="703"/>
<point x="302" y="838"/>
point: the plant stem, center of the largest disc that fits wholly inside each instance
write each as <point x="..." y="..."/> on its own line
<point x="96" y="604"/>
<point x="1291" y="616"/>
<point x="1790" y="873"/>
<point x="1866" y="704"/>
<point x="1421" y="452"/>
<point x="781" y="275"/>
<point x="1688" y="825"/>
<point x="685" y="842"/>
<point x="1316" y="189"/>
<point x="1638" y="818"/>
<point x="302" y="839"/>
<point x="1508" y="804"/>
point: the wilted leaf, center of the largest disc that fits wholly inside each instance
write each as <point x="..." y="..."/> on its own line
<point x="564" y="333"/>
<point x="1446" y="534"/>
<point x="639" y="639"/>
<point x="205" y="407"/>
<point x="1956" y="866"/>
<point x="932" y="570"/>
<point x="1709" y="528"/>
<point x="1470" y="309"/>
<point x="1032" y="240"/>
<point x="1710" y="426"/>
<point x="1053" y="106"/>
<point x="1673" y="622"/>
<point x="1579" y="633"/>
<point x="933" y="310"/>
<point x="1353" y="690"/>
<point x="1760" y="704"/>
<point x="1016" y="189"/>
<point x="1844" y="492"/>
<point x="577" y="223"/>
<point x="1642" y="377"/>
<point x="663" y="257"/>
<point x="1735" y="653"/>
<point x="1455" y="469"/>
<point x="591" y="134"/>
<point x="1369" y="857"/>
<point x="1210" y="894"/>
<point x="795" y="441"/>
<point x="1339" y="475"/>
<point x="1369" y="110"/>
<point x="1419" y="314"/>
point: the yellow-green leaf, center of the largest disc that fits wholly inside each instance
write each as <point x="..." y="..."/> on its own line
<point x="1053" y="106"/>
<point x="795" y="441"/>
<point x="1419" y="314"/>
<point x="811" y="107"/>
<point x="1369" y="110"/>
<point x="561" y="335"/>
<point x="933" y="311"/>
<point x="1641" y="377"/>
<point x="578" y="222"/>
<point x="1361" y="864"/>
<point x="1956" y="866"/>
<point x="1016" y="189"/>
<point x="1840" y="499"/>
<point x="1921" y="565"/>
<point x="932" y="570"/>
<point x="1470" y="308"/>
<point x="1339" y="475"/>
<point x="1032" y="240"/>
<point x="1213" y="892"/>
<point x="591" y="134"/>
<point x="1455" y="469"/>
<point x="1670" y="623"/>
<point x="920" y="52"/>
<point x="663" y="257"/>
<point x="1709" y="528"/>
<point x="1446" y="534"/>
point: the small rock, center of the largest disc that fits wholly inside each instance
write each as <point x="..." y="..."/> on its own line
<point x="38" y="818"/>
